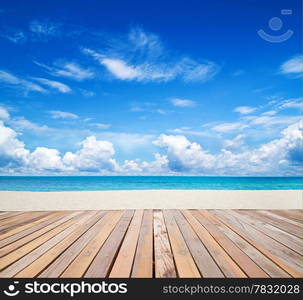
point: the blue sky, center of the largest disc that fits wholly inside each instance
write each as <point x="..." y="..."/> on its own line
<point x="165" y="87"/>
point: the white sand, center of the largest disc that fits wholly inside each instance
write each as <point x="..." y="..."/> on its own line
<point x="162" y="199"/>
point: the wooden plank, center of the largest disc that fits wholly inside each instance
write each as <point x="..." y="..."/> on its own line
<point x="264" y="262"/>
<point x="123" y="264"/>
<point x="290" y="214"/>
<point x="29" y="258"/>
<point x="26" y="239"/>
<point x="79" y="266"/>
<point x="31" y="217"/>
<point x="48" y="257"/>
<point x="185" y="265"/>
<point x="164" y="261"/>
<point x="59" y="265"/>
<point x="279" y="218"/>
<point x="250" y="268"/>
<point x="10" y="214"/>
<point x="143" y="261"/>
<point x="20" y="252"/>
<point x="27" y="229"/>
<point x="204" y="261"/>
<point x="288" y="240"/>
<point x="256" y="242"/>
<point x="101" y="264"/>
<point x="224" y="261"/>
<point x="281" y="223"/>
<point x="289" y="256"/>
<point x="18" y="218"/>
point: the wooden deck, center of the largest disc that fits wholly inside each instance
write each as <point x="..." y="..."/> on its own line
<point x="152" y="243"/>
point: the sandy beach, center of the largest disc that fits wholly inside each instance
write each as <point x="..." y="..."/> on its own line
<point x="151" y="199"/>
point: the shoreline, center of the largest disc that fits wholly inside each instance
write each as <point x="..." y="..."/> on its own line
<point x="151" y="199"/>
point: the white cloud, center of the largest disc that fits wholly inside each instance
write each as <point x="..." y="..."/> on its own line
<point x="269" y="113"/>
<point x="93" y="156"/>
<point x="22" y="124"/>
<point x="61" y="87"/>
<point x="226" y="127"/>
<point x="279" y="156"/>
<point x="45" y="159"/>
<point x="120" y="69"/>
<point x="244" y="110"/>
<point x="183" y="102"/>
<point x="128" y="142"/>
<point x="27" y="86"/>
<point x="44" y="28"/>
<point x="158" y="166"/>
<point x="141" y="57"/>
<point x="191" y="70"/>
<point x="102" y="125"/>
<point x="291" y="103"/>
<point x="234" y="143"/>
<point x="87" y="93"/>
<point x="147" y="107"/>
<point x="293" y="66"/>
<point x="184" y="130"/>
<point x="181" y="156"/>
<point x="4" y="114"/>
<point x="273" y="120"/>
<point x="11" y="149"/>
<point x="15" y="36"/>
<point x="147" y="43"/>
<point x="58" y="114"/>
<point x="69" y="70"/>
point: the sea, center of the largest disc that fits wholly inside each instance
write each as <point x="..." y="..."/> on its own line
<point x="114" y="183"/>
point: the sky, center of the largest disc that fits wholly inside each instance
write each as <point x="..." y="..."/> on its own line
<point x="151" y="87"/>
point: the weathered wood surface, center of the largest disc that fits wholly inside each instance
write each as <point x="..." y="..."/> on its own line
<point x="152" y="243"/>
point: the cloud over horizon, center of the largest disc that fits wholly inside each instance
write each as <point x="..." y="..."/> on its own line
<point x="281" y="156"/>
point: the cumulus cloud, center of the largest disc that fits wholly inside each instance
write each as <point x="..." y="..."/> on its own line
<point x="44" y="159"/>
<point x="12" y="150"/>
<point x="141" y="57"/>
<point x="279" y="156"/>
<point x="183" y="155"/>
<point x="183" y="102"/>
<point x="177" y="155"/>
<point x="93" y="156"/>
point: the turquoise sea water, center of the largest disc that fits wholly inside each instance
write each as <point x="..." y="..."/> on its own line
<point x="103" y="183"/>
